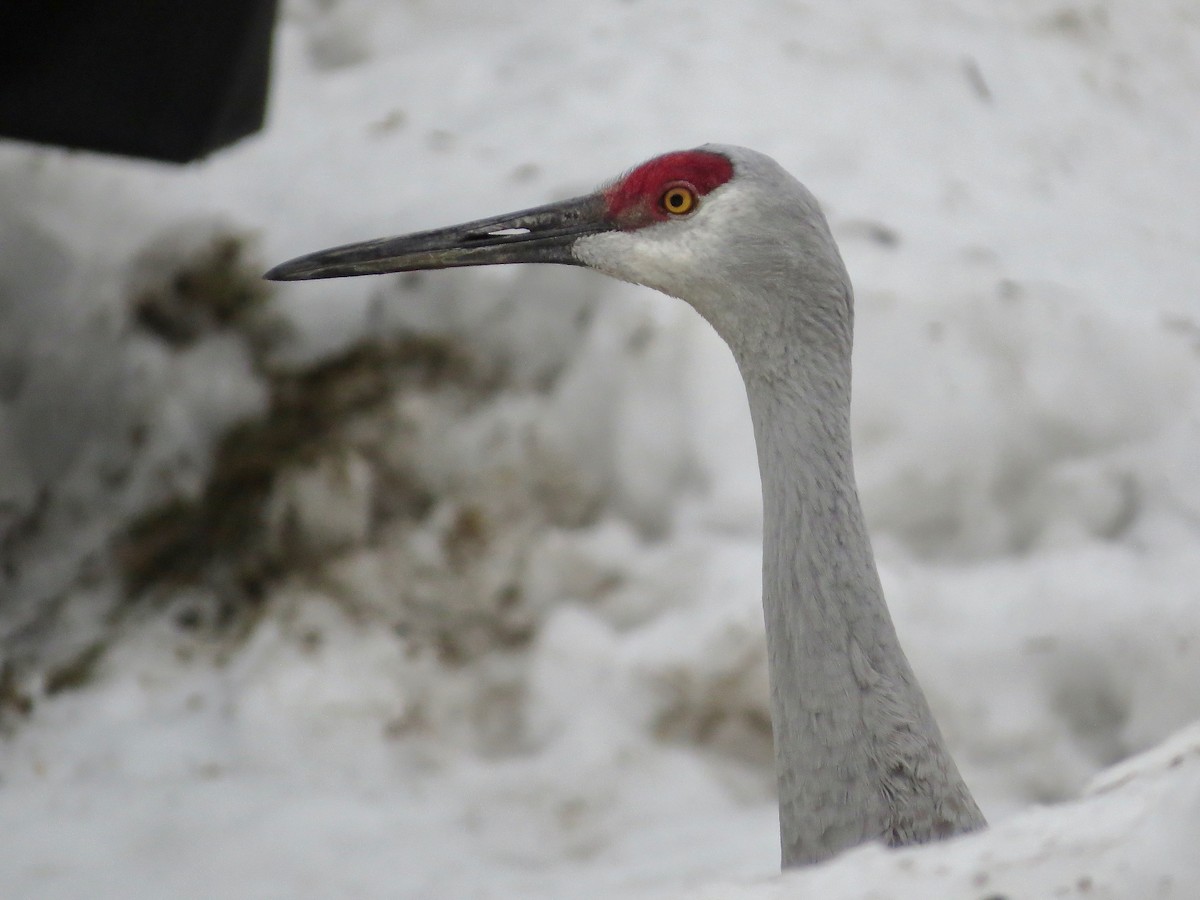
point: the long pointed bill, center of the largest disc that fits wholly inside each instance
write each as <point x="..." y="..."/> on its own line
<point x="544" y="234"/>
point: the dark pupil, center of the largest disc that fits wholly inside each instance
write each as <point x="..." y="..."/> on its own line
<point x="676" y="199"/>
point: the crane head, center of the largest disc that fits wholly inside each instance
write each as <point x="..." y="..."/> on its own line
<point x="669" y="187"/>
<point x="724" y="228"/>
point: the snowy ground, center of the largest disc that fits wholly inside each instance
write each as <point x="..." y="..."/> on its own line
<point x="506" y="639"/>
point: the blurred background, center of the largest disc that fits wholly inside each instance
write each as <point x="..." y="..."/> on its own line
<point x="447" y="584"/>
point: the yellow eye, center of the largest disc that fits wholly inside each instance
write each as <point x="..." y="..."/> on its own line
<point x="678" y="199"/>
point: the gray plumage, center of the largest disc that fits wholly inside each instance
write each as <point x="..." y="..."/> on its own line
<point x="858" y="754"/>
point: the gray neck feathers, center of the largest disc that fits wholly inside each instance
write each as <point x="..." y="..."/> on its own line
<point x="858" y="754"/>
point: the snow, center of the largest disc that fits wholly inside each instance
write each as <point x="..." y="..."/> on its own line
<point x="514" y="645"/>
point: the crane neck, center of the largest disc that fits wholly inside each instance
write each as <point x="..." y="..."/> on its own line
<point x="859" y="756"/>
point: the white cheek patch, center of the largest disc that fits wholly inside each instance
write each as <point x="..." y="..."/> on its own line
<point x="634" y="256"/>
<point x="668" y="256"/>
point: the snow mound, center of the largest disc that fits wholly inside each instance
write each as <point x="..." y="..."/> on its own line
<point x="1132" y="835"/>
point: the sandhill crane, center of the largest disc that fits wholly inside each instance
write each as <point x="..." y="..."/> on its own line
<point x="858" y="754"/>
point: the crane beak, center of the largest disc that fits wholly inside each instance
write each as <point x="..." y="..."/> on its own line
<point x="544" y="234"/>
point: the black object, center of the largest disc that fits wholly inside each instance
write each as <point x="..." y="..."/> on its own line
<point x="168" y="81"/>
